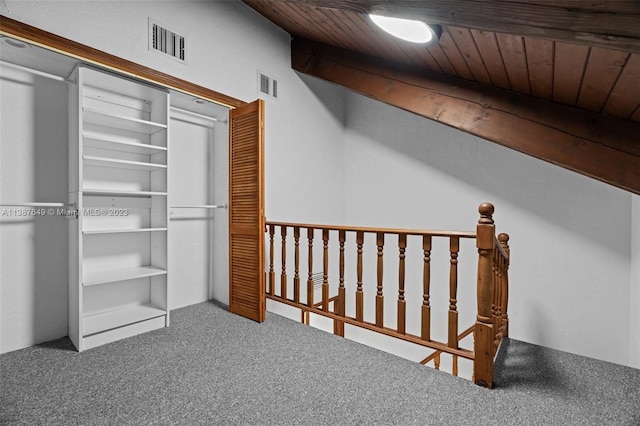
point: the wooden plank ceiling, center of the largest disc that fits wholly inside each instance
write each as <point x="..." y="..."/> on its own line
<point x="576" y="53"/>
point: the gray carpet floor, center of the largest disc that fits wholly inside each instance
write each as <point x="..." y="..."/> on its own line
<point x="212" y="367"/>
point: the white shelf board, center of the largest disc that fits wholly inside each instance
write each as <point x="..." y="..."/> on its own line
<point x="96" y="323"/>
<point x="113" y="143"/>
<point x="122" y="231"/>
<point x="124" y="274"/>
<point x="120" y="333"/>
<point x="118" y="193"/>
<point x="91" y="160"/>
<point x="123" y="122"/>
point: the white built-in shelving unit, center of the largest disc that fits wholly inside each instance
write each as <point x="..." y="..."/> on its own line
<point x="118" y="163"/>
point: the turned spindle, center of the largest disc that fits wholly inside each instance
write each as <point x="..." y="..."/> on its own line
<point x="402" y="304"/>
<point x="380" y="274"/>
<point x="359" y="292"/>
<point x="325" y="270"/>
<point x="283" y="275"/>
<point x="272" y="274"/>
<point x="310" y="263"/>
<point x="340" y="307"/>
<point x="454" y="248"/>
<point x="426" y="283"/>
<point x="296" y="266"/>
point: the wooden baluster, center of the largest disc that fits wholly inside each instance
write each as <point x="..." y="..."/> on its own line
<point x="325" y="270"/>
<point x="497" y="272"/>
<point x="272" y="274"/>
<point x="426" y="276"/>
<point x="436" y="361"/>
<point x="359" y="293"/>
<point x="340" y="308"/>
<point x="454" y="248"/>
<point x="504" y="242"/>
<point x="296" y="261"/>
<point x="454" y="367"/>
<point x="402" y="304"/>
<point x="310" y="277"/>
<point x="283" y="275"/>
<point x="484" y="333"/>
<point x="379" y="296"/>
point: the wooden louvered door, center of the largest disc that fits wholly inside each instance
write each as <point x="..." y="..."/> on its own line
<point x="246" y="211"/>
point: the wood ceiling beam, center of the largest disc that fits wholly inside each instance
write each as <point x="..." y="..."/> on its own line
<point x="611" y="24"/>
<point x="602" y="147"/>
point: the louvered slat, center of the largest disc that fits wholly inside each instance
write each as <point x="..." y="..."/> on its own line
<point x="246" y="212"/>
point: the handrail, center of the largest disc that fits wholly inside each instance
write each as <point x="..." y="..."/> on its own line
<point x="491" y="320"/>
<point x="433" y="233"/>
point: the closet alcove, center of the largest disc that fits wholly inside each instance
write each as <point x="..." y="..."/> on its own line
<point x="114" y="194"/>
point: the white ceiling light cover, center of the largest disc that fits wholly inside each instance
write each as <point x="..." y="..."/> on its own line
<point x="405" y="29"/>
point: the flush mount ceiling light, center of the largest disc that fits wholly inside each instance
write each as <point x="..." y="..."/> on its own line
<point x="14" y="43"/>
<point x="407" y="29"/>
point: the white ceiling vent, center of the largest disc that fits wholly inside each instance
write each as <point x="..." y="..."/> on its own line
<point x="267" y="85"/>
<point x="167" y="42"/>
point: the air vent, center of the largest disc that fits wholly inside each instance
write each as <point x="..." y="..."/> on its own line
<point x="267" y="85"/>
<point x="167" y="42"/>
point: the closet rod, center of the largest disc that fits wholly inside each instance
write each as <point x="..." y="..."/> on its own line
<point x="212" y="206"/>
<point x="36" y="204"/>
<point x="195" y="114"/>
<point x="36" y="72"/>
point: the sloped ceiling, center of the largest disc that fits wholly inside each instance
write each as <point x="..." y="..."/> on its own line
<point x="558" y="80"/>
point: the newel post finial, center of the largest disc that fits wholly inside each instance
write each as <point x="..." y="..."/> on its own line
<point x="486" y="213"/>
<point x="484" y="333"/>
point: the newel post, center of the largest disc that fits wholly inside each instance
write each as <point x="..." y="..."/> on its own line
<point x="484" y="332"/>
<point x="504" y="242"/>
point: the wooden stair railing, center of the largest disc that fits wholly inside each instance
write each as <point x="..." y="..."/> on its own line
<point x="491" y="319"/>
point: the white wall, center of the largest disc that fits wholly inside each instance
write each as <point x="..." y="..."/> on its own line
<point x="570" y="235"/>
<point x="634" y="299"/>
<point x="227" y="43"/>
